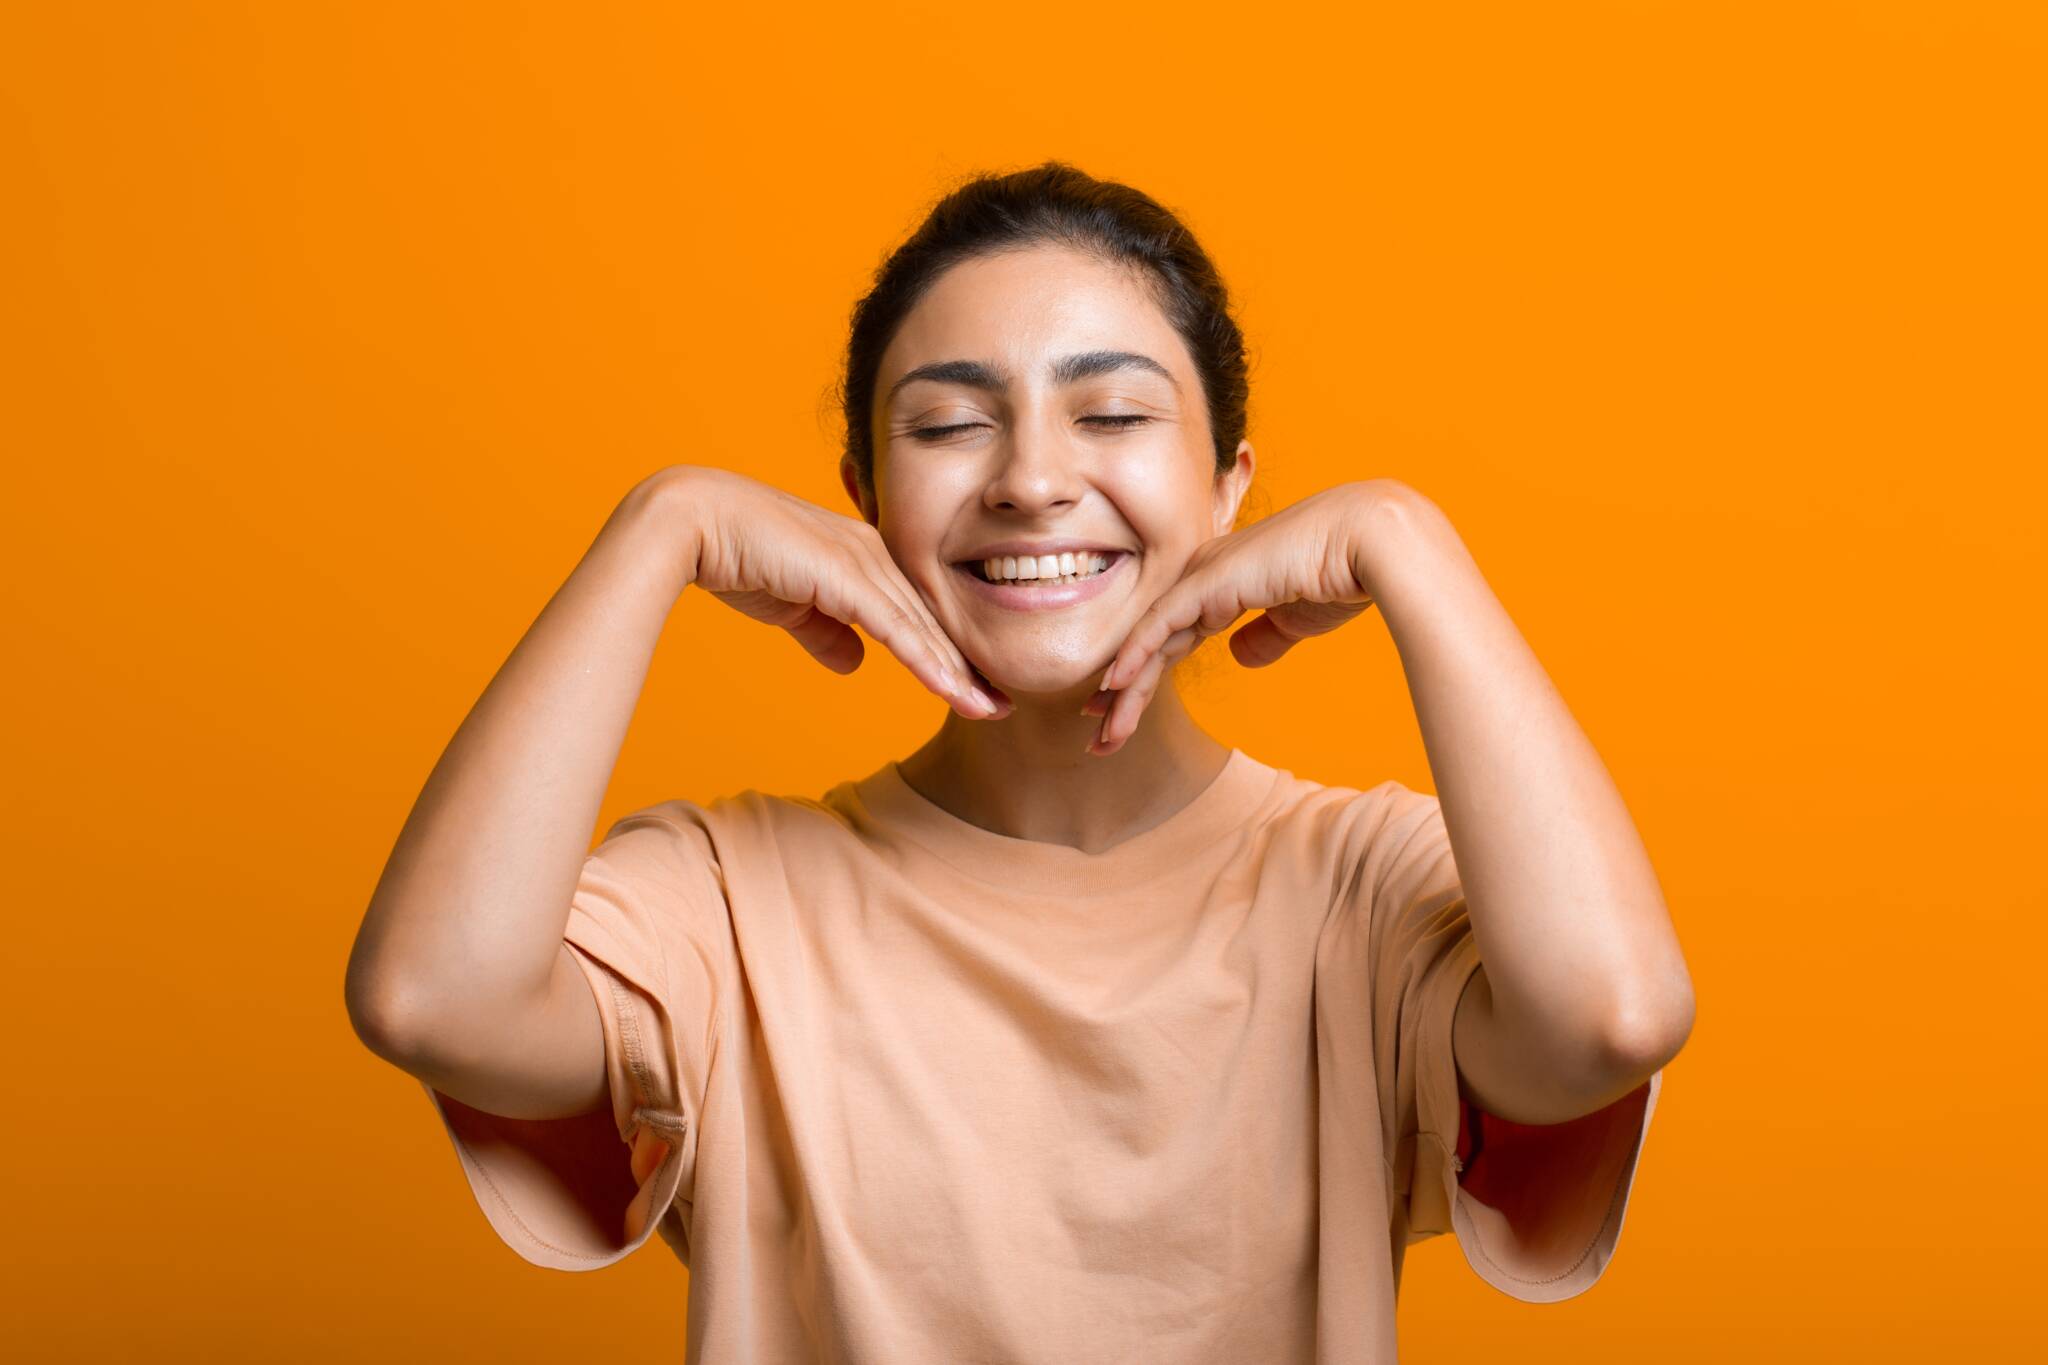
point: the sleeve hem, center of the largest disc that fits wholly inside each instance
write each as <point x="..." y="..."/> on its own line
<point x="1483" y="1233"/>
<point x="1485" y="1236"/>
<point x="514" y="1214"/>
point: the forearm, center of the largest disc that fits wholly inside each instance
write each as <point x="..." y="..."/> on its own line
<point x="468" y="916"/>
<point x="1578" y="947"/>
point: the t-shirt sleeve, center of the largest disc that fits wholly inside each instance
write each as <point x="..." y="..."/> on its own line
<point x="649" y="926"/>
<point x="1537" y="1208"/>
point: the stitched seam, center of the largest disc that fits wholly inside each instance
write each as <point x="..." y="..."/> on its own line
<point x="1425" y="1058"/>
<point x="628" y="1008"/>
<point x="636" y="1061"/>
<point x="1354" y="875"/>
<point x="629" y="1036"/>
<point x="649" y="1112"/>
<point x="662" y="1121"/>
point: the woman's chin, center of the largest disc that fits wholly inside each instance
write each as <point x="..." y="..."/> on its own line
<point x="1044" y="680"/>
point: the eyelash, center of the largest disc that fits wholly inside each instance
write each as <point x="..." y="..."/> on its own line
<point x="1122" y="421"/>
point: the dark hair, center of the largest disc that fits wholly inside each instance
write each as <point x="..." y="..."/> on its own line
<point x="1054" y="202"/>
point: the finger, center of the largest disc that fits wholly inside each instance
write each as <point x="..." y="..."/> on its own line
<point x="1177" y="608"/>
<point x="1127" y="706"/>
<point x="874" y="557"/>
<point x="856" y="598"/>
<point x="1151" y="629"/>
<point x="890" y="577"/>
<point x="1129" y="702"/>
<point x="901" y="629"/>
<point x="1261" y="642"/>
<point x="1206" y="599"/>
<point x="973" y="679"/>
<point x="995" y="694"/>
<point x="1281" y="628"/>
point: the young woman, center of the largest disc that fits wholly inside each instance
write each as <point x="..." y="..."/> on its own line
<point x="1077" y="1034"/>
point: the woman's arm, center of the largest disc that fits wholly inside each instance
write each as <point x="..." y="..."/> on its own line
<point x="1583" y="991"/>
<point x="459" y="974"/>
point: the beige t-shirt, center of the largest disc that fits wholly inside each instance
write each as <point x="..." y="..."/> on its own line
<point x="934" y="1093"/>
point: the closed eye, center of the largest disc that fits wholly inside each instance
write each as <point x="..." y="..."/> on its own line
<point x="1123" y="421"/>
<point x="934" y="433"/>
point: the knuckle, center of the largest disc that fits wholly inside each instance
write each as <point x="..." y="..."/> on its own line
<point x="894" y="618"/>
<point x="906" y="626"/>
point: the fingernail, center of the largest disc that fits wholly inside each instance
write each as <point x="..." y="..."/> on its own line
<point x="982" y="700"/>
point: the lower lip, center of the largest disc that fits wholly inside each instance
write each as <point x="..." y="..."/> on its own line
<point x="1028" y="596"/>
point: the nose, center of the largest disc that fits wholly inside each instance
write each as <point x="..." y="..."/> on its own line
<point x="1036" y="469"/>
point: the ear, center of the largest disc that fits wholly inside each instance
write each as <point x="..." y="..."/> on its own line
<point x="1231" y="487"/>
<point x="849" y="477"/>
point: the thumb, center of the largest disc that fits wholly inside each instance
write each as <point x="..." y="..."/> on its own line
<point x="1259" y="642"/>
<point x="1276" y="629"/>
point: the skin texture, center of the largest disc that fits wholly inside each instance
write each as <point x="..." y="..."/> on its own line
<point x="1064" y="725"/>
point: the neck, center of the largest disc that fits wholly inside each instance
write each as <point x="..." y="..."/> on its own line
<point x="1028" y="775"/>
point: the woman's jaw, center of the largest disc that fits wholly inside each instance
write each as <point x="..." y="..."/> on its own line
<point x="1044" y="644"/>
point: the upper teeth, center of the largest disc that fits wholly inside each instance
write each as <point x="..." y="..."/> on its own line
<point x="1079" y="564"/>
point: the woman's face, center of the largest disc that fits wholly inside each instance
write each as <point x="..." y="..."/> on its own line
<point x="1037" y="402"/>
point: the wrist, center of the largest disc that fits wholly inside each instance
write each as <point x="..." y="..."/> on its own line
<point x="663" y="516"/>
<point x="1391" y="525"/>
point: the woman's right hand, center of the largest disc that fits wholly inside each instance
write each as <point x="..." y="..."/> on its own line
<point x="815" y="573"/>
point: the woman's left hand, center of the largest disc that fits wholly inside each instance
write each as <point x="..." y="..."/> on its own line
<point x="1299" y="565"/>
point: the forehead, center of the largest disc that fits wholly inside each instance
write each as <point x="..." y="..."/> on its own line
<point x="1020" y="307"/>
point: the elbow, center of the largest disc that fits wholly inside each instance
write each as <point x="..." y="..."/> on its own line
<point x="1649" y="1029"/>
<point x="378" y="1024"/>
<point x="383" y="1020"/>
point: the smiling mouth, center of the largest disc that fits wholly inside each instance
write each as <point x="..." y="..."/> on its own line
<point x="1055" y="593"/>
<point x="1046" y="571"/>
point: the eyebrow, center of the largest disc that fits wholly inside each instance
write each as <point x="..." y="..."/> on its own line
<point x="1068" y="369"/>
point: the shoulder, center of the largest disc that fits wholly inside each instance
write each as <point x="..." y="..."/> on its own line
<point x="1352" y="821"/>
<point x="743" y="824"/>
<point x="673" y="871"/>
<point x="1362" y="846"/>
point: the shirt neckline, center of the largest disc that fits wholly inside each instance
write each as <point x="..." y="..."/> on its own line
<point x="1034" y="866"/>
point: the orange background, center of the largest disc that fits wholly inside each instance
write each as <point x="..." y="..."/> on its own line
<point x="333" y="333"/>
